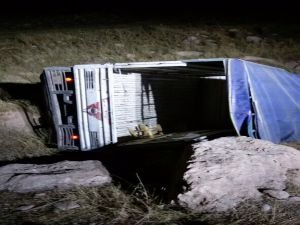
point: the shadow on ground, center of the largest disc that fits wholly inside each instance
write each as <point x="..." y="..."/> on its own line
<point x="159" y="166"/>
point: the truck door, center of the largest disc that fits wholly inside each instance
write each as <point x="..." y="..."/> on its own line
<point x="94" y="97"/>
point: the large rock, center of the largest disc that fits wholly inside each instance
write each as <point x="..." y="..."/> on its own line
<point x="191" y="41"/>
<point x="291" y="64"/>
<point x="24" y="178"/>
<point x="226" y="171"/>
<point x="13" y="117"/>
<point x="254" y="39"/>
<point x="189" y="54"/>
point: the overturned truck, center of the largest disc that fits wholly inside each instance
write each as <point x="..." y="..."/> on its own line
<point x="95" y="105"/>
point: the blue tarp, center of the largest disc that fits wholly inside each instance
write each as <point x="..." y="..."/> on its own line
<point x="264" y="101"/>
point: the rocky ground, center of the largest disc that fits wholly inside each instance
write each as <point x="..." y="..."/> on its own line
<point x="229" y="173"/>
<point x="27" y="46"/>
<point x="230" y="180"/>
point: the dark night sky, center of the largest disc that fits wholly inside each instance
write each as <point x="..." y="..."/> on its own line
<point x="256" y="9"/>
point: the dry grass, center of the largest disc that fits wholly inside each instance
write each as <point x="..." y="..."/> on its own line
<point x="110" y="205"/>
<point x="17" y="138"/>
<point x="16" y="145"/>
<point x="251" y="213"/>
<point x="106" y="205"/>
<point x="24" y="52"/>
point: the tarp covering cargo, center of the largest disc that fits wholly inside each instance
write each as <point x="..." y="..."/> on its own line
<point x="264" y="101"/>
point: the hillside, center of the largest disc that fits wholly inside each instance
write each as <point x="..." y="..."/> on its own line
<point x="29" y="44"/>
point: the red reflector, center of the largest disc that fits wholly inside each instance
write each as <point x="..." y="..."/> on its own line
<point x="75" y="137"/>
<point x="69" y="79"/>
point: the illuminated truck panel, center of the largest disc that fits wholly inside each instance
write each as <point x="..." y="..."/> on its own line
<point x="96" y="105"/>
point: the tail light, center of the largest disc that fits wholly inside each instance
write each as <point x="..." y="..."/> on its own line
<point x="69" y="79"/>
<point x="74" y="137"/>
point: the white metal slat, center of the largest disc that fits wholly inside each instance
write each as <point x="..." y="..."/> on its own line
<point x="104" y="106"/>
<point x="84" y="106"/>
<point x="99" y="123"/>
<point x="111" y="99"/>
<point x="79" y="106"/>
<point x="82" y="116"/>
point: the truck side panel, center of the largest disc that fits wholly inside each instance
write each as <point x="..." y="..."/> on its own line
<point x="95" y="122"/>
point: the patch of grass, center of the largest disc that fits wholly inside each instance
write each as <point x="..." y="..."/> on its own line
<point x="250" y="212"/>
<point x="105" y="205"/>
<point x="17" y="137"/>
<point x="24" y="52"/>
<point x="111" y="205"/>
<point x="16" y="145"/>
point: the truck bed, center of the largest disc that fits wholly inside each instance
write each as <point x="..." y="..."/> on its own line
<point x="187" y="136"/>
